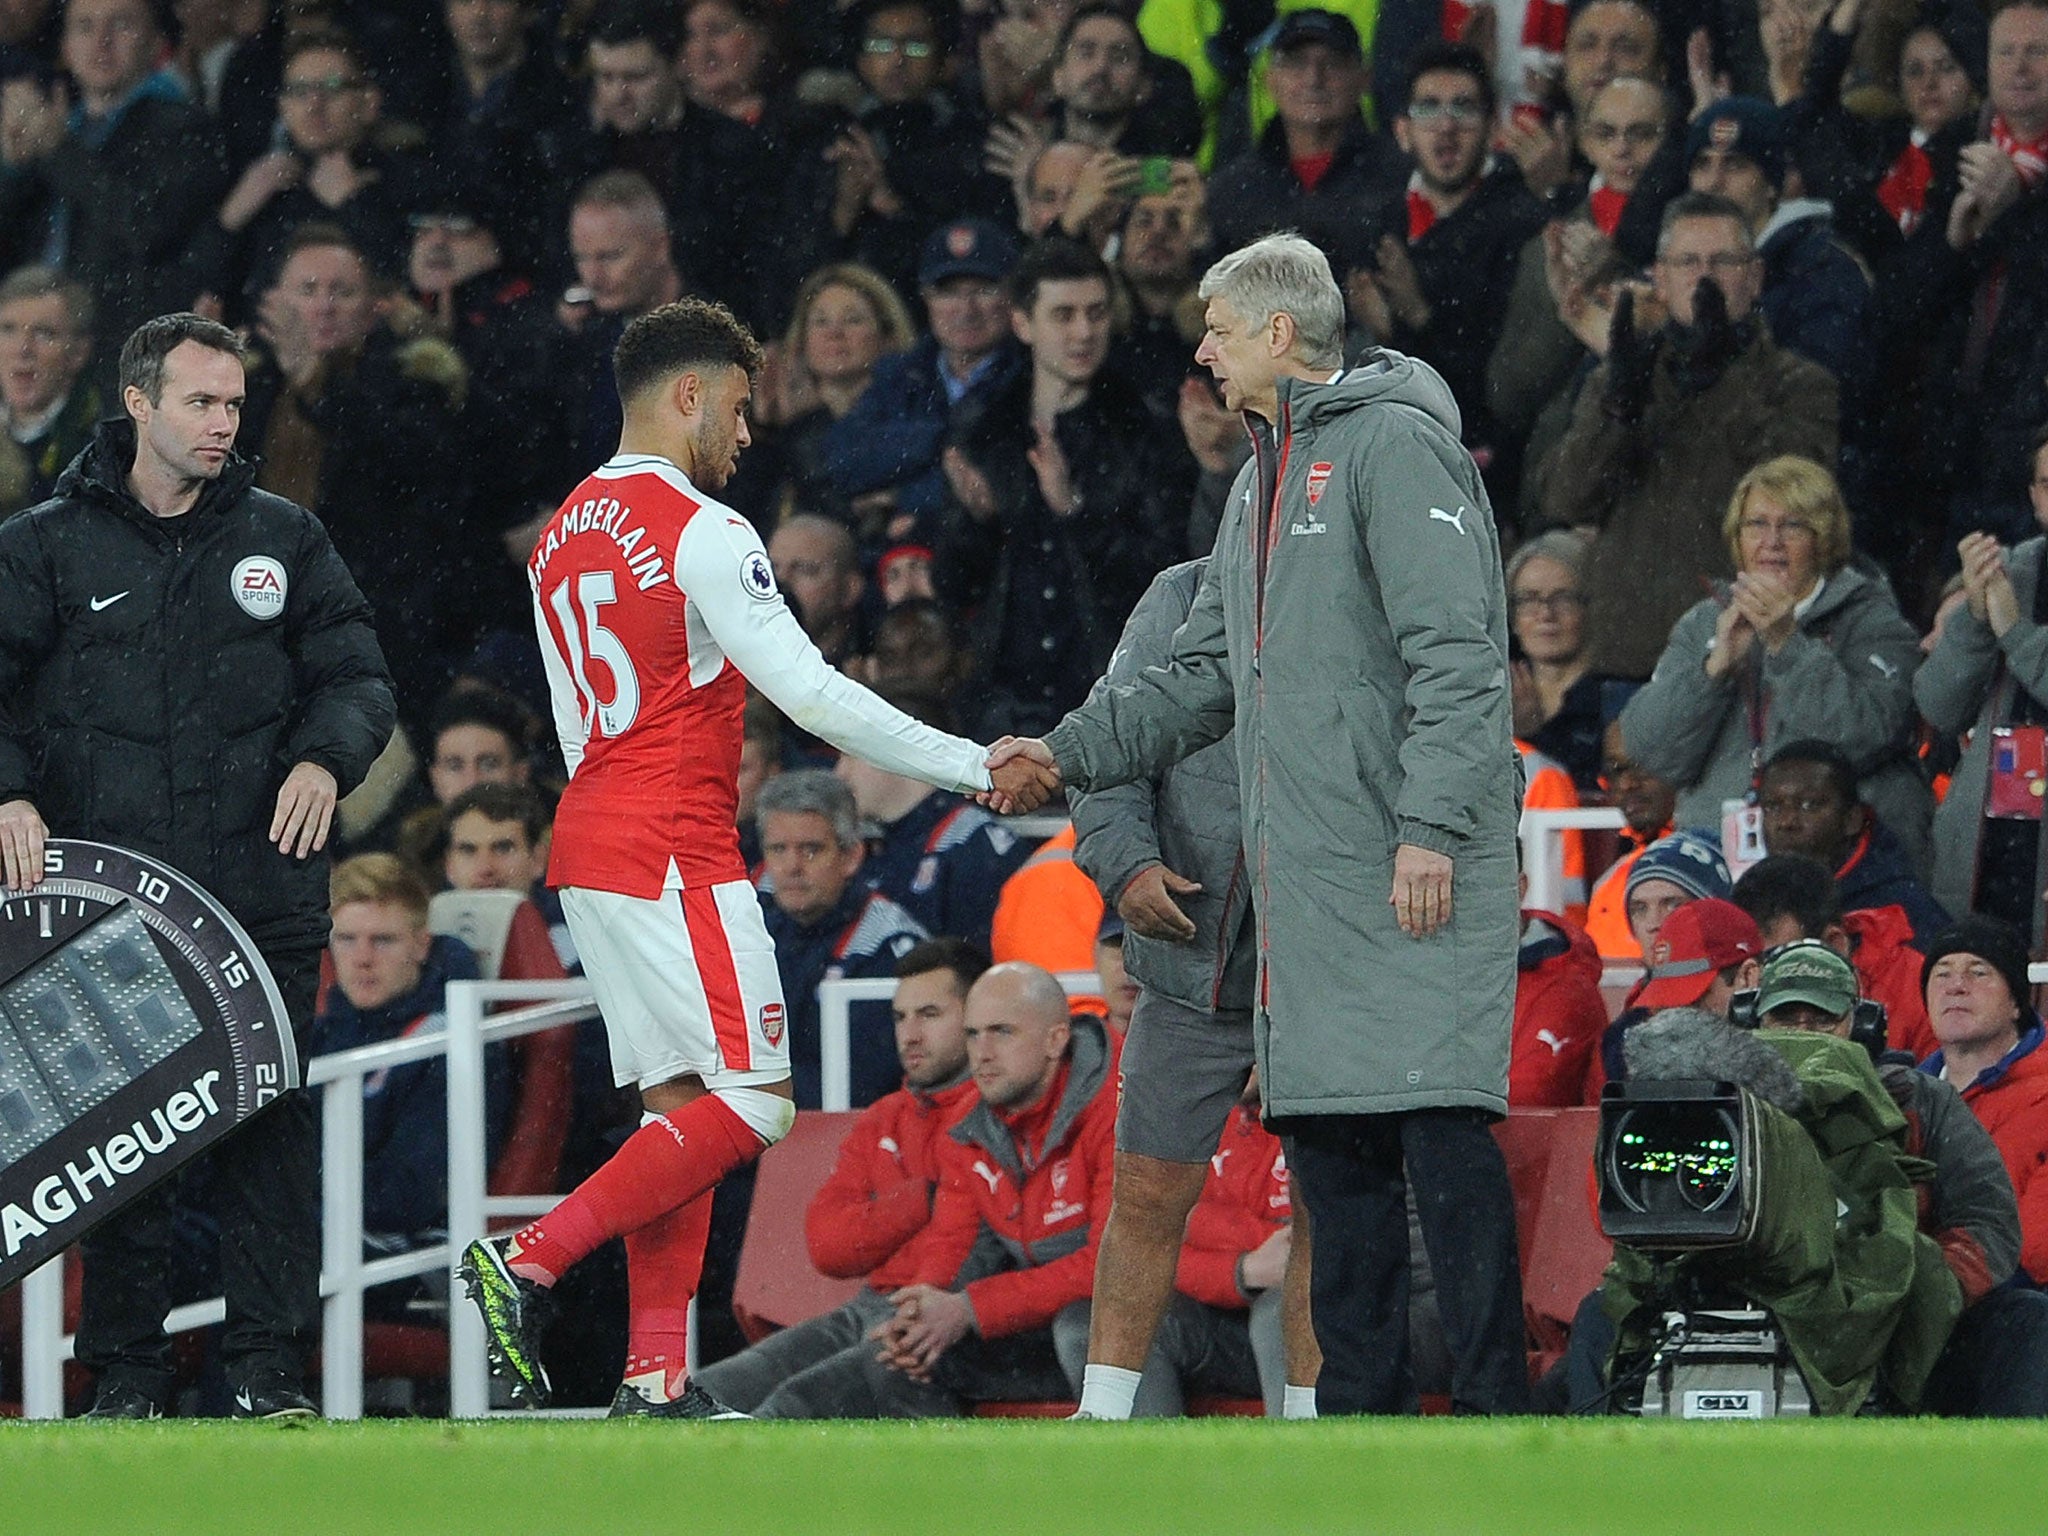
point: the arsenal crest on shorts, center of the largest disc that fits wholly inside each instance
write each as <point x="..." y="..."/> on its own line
<point x="772" y="1023"/>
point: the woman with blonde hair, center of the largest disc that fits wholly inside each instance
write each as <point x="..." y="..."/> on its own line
<point x="1800" y="645"/>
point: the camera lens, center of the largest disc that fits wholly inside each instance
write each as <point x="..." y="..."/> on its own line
<point x="1665" y="1159"/>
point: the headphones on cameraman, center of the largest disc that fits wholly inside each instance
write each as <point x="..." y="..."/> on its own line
<point x="1869" y="1026"/>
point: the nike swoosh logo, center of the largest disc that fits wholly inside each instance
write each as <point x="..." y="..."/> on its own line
<point x="107" y="602"/>
<point x="242" y="1399"/>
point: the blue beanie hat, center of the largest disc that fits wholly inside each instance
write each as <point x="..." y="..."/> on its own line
<point x="1689" y="860"/>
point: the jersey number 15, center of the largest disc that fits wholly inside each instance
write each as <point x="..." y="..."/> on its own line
<point x="585" y="635"/>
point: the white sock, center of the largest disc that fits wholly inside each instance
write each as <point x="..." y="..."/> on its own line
<point x="1298" y="1402"/>
<point x="1107" y="1391"/>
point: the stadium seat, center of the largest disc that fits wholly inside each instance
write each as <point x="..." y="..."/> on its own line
<point x="777" y="1284"/>
<point x="1567" y="1252"/>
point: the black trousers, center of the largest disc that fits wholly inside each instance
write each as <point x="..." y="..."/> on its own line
<point x="1354" y="1172"/>
<point x="265" y="1179"/>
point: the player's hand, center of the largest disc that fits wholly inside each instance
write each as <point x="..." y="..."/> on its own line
<point x="929" y="1322"/>
<point x="1421" y="897"/>
<point x="1022" y="774"/>
<point x="305" y="811"/>
<point x="22" y="835"/>
<point x="1148" y="908"/>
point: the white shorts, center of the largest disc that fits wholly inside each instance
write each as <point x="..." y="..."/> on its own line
<point x="687" y="984"/>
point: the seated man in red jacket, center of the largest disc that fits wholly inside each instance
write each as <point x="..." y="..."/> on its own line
<point x="1009" y="1256"/>
<point x="866" y="1218"/>
<point x="1792" y="896"/>
<point x="1559" y="1012"/>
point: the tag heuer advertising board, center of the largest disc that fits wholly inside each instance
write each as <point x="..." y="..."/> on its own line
<point x="138" y="1025"/>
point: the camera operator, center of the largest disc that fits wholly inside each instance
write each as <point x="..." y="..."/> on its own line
<point x="1996" y="1361"/>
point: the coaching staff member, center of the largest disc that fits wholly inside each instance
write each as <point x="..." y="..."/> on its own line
<point x="188" y="670"/>
<point x="1352" y="625"/>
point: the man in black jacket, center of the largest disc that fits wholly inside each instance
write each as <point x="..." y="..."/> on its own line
<point x="1067" y="497"/>
<point x="192" y="674"/>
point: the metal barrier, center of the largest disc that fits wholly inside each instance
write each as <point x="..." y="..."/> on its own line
<point x="345" y="1275"/>
<point x="1543" y="850"/>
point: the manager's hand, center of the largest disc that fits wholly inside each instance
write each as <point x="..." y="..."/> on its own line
<point x="1421" y="897"/>
<point x="1149" y="910"/>
<point x="22" y="834"/>
<point x="305" y="811"/>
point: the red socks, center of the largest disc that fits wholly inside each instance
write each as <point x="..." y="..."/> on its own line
<point x="664" y="1167"/>
<point x="664" y="1262"/>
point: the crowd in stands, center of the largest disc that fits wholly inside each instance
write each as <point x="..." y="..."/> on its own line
<point x="1743" y="310"/>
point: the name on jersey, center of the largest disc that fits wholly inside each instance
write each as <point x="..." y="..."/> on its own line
<point x="606" y="515"/>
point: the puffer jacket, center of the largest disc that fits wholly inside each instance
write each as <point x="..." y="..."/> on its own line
<point x="164" y="675"/>
<point x="1352" y="626"/>
<point x="1188" y="820"/>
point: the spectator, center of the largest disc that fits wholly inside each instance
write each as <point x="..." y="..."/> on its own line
<point x="477" y="736"/>
<point x="1989" y="673"/>
<point x="1793" y="897"/>
<point x="468" y="290"/>
<point x="1102" y="88"/>
<point x="885" y="451"/>
<point x="1048" y="913"/>
<point x="938" y="856"/>
<point x="1706" y="952"/>
<point x="1646" y="803"/>
<point x="1531" y="376"/>
<point x="1557" y="699"/>
<point x="902" y="159"/>
<point x="825" y="923"/>
<point x="866" y="1219"/>
<point x="1604" y="41"/>
<point x="1064" y="502"/>
<point x="728" y="61"/>
<point x="1677" y="413"/>
<point x="917" y="648"/>
<point x="497" y="839"/>
<point x="504" y="98"/>
<point x="110" y="189"/>
<point x="707" y="170"/>
<point x="1995" y="1363"/>
<point x="1811" y="805"/>
<point x="818" y="569"/>
<point x="1119" y="992"/>
<point x="355" y="424"/>
<point x="46" y="405"/>
<point x="903" y="574"/>
<point x="1317" y="168"/>
<point x="1163" y="234"/>
<point x="845" y="319"/>
<point x="1674" y="870"/>
<point x="391" y="978"/>
<point x="1967" y="300"/>
<point x="625" y="267"/>
<point x="1559" y="1013"/>
<point x="1047" y="1083"/>
<point x="1816" y="294"/>
<point x="1438" y="282"/>
<point x="1980" y="1005"/>
<point x="1077" y="193"/>
<point x="1801" y="644"/>
<point x="328" y="165"/>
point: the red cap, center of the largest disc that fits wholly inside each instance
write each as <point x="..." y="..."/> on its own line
<point x="1697" y="942"/>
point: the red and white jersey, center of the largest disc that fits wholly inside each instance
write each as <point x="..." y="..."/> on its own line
<point x="655" y="606"/>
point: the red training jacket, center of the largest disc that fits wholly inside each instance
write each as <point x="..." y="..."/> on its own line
<point x="1245" y="1200"/>
<point x="1559" y="1015"/>
<point x="866" y="1218"/>
<point x="1888" y="970"/>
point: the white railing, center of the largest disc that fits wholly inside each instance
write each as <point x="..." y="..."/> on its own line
<point x="1543" y="849"/>
<point x="345" y="1274"/>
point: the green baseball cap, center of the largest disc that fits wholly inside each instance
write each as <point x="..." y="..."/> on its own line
<point x="1807" y="972"/>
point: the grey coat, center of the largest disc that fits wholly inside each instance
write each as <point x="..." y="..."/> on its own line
<point x="1954" y="689"/>
<point x="1188" y="820"/>
<point x="1845" y="677"/>
<point x="1358" y="641"/>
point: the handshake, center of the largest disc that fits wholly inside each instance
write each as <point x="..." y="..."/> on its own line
<point x="1022" y="776"/>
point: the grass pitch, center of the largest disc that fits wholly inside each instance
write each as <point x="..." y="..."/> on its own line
<point x="1230" y="1477"/>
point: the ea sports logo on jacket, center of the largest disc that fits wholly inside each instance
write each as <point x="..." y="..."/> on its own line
<point x="258" y="586"/>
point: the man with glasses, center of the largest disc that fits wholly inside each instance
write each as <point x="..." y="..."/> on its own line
<point x="1692" y="393"/>
<point x="1439" y="284"/>
<point x="325" y="164"/>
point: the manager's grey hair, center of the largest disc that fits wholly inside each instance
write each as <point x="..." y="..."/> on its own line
<point x="1284" y="274"/>
<point x="816" y="791"/>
